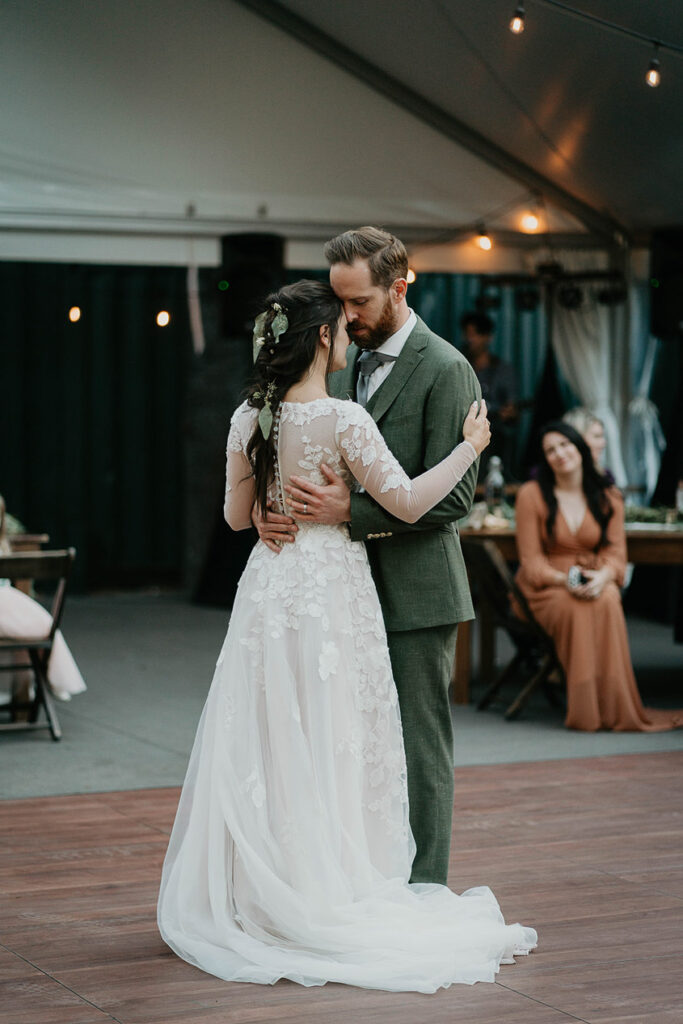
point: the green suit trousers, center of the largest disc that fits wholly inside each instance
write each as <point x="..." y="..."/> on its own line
<point x="422" y="662"/>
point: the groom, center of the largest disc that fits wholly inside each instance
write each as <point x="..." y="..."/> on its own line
<point x="418" y="389"/>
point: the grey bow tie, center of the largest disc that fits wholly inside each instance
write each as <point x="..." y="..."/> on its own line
<point x="367" y="364"/>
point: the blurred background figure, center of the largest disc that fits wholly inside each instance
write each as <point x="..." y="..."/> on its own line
<point x="592" y="430"/>
<point x="498" y="382"/>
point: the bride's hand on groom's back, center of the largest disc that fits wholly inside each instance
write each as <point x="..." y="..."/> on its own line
<point x="476" y="428"/>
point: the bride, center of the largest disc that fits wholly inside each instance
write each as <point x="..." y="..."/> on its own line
<point x="291" y="850"/>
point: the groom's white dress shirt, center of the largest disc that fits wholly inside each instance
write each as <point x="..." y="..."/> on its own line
<point x="391" y="347"/>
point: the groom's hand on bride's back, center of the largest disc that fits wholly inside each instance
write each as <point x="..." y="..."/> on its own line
<point x="310" y="503"/>
<point x="273" y="529"/>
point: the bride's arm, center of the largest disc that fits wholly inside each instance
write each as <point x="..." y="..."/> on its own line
<point x="239" y="491"/>
<point x="239" y="479"/>
<point x="366" y="454"/>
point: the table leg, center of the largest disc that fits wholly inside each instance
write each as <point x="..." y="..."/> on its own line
<point x="462" y="666"/>
<point x="487" y="652"/>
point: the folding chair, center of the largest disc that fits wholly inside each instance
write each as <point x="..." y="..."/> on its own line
<point x="40" y="566"/>
<point x="535" y="653"/>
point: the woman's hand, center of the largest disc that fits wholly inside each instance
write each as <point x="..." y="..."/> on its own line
<point x="476" y="428"/>
<point x="597" y="580"/>
<point x="273" y="529"/>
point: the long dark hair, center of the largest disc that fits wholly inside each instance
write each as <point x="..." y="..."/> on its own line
<point x="594" y="483"/>
<point x="308" y="305"/>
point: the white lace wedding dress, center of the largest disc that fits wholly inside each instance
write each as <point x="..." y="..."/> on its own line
<point x="291" y="850"/>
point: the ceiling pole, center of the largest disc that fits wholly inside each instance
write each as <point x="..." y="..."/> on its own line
<point x="597" y="222"/>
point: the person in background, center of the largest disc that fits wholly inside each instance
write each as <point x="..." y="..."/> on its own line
<point x="572" y="551"/>
<point x="498" y="383"/>
<point x="592" y="430"/>
<point x="21" y="616"/>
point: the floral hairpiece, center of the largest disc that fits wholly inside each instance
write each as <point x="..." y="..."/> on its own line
<point x="279" y="325"/>
<point x="265" y="417"/>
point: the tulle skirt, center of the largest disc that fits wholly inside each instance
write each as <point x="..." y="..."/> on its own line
<point x="291" y="850"/>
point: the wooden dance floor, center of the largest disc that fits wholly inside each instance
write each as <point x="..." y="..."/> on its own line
<point x="590" y="852"/>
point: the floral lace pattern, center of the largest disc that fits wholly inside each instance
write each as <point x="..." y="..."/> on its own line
<point x="345" y="437"/>
<point x="291" y="851"/>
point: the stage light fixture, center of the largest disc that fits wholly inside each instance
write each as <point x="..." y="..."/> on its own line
<point x="527" y="299"/>
<point x="517" y="21"/>
<point x="612" y="295"/>
<point x="569" y="296"/>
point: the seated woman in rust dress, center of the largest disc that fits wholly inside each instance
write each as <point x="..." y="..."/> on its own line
<point x="572" y="552"/>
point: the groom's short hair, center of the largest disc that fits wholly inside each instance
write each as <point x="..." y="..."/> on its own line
<point x="386" y="255"/>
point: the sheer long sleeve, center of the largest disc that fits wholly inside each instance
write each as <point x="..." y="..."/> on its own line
<point x="367" y="456"/>
<point x="239" y="480"/>
<point x="442" y="417"/>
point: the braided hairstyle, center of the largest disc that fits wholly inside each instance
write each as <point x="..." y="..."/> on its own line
<point x="282" y="362"/>
<point x="594" y="483"/>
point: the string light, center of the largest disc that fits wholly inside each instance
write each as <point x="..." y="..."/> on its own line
<point x="410" y="278"/>
<point x="654" y="76"/>
<point x="530" y="221"/>
<point x="517" y="21"/>
<point x="483" y="240"/>
<point x="163" y="318"/>
<point x="75" y="314"/>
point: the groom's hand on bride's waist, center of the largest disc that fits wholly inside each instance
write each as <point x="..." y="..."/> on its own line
<point x="273" y="529"/>
<point x="310" y="503"/>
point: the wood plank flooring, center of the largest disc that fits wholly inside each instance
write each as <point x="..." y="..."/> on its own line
<point x="590" y="852"/>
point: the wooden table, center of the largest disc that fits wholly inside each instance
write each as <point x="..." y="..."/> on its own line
<point x="645" y="546"/>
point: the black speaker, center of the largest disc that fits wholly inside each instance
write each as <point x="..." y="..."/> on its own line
<point x="666" y="284"/>
<point x="252" y="266"/>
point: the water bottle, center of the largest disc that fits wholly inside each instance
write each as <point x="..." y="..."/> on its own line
<point x="494" y="484"/>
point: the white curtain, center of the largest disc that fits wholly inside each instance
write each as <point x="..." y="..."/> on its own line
<point x="646" y="438"/>
<point x="592" y="347"/>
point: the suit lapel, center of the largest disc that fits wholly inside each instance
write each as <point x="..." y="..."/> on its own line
<point x="409" y="359"/>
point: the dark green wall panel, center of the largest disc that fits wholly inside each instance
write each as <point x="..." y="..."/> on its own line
<point x="91" y="414"/>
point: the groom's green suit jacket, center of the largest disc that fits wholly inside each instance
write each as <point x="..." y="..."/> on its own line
<point x="420" y="409"/>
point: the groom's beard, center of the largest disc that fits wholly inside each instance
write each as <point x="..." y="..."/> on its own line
<point x="372" y="337"/>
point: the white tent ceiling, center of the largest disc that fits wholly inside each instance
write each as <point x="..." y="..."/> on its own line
<point x="149" y="128"/>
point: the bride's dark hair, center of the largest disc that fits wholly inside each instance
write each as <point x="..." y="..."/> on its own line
<point x="595" y="484"/>
<point x="282" y="362"/>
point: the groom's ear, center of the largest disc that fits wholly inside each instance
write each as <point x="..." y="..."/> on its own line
<point x="399" y="289"/>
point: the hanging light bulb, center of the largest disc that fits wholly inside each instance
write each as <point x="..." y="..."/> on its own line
<point x="75" y="314"/>
<point x="483" y="240"/>
<point x="163" y="318"/>
<point x="654" y="76"/>
<point x="517" y="21"/>
<point x="411" y="275"/>
<point x="530" y="221"/>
